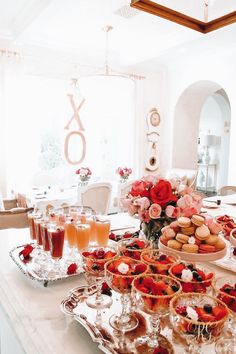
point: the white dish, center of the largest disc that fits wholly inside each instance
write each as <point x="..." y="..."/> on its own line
<point x="195" y="257"/>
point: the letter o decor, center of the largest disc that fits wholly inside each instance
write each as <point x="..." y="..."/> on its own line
<point x="66" y="148"/>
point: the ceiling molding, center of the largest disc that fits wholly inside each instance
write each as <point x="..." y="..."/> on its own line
<point x="182" y="19"/>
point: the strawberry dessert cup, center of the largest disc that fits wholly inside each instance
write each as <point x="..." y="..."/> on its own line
<point x="120" y="274"/>
<point x="154" y="293"/>
<point x="133" y="247"/>
<point x="94" y="260"/>
<point x="159" y="262"/>
<point x="199" y="318"/>
<point x="193" y="277"/>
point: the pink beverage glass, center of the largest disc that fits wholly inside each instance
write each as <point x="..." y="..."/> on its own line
<point x="45" y="239"/>
<point x="31" y="220"/>
<point x="38" y="231"/>
<point x="56" y="241"/>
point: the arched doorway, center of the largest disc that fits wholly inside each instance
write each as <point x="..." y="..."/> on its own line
<point x="190" y="109"/>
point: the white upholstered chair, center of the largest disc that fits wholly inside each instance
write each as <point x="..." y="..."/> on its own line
<point x="186" y="176"/>
<point x="227" y="190"/>
<point x="13" y="216"/>
<point x="97" y="196"/>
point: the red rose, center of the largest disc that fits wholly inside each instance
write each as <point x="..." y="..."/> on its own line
<point x="140" y="188"/>
<point x="72" y="269"/>
<point x="162" y="194"/>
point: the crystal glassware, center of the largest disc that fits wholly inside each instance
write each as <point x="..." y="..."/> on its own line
<point x="133" y="247"/>
<point x="94" y="260"/>
<point x="56" y="241"/>
<point x="198" y="318"/>
<point x="159" y="262"/>
<point x="120" y="274"/>
<point x="225" y="290"/>
<point x="102" y="231"/>
<point x="154" y="293"/>
<point x="32" y="217"/>
<point x="193" y="277"/>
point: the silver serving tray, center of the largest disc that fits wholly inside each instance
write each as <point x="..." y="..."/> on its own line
<point x="33" y="272"/>
<point x="96" y="322"/>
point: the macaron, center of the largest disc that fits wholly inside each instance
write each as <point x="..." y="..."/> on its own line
<point x="184" y="222"/>
<point x="182" y="238"/>
<point x="220" y="244"/>
<point x="190" y="248"/>
<point x="212" y="240"/>
<point x="198" y="220"/>
<point x="215" y="228"/>
<point x="174" y="244"/>
<point x="168" y="233"/>
<point x="202" y="232"/>
<point x="174" y="225"/>
<point x="163" y="240"/>
<point x="204" y="248"/>
<point x="188" y="230"/>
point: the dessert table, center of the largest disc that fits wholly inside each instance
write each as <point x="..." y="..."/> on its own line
<point x="31" y="321"/>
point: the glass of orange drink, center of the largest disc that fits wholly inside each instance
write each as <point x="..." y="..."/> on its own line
<point x="82" y="235"/>
<point x="102" y="231"/>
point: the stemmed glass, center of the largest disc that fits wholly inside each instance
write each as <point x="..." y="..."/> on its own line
<point x="224" y="290"/>
<point x="159" y="262"/>
<point x="94" y="260"/>
<point x="133" y="247"/>
<point x="120" y="274"/>
<point x="198" y="318"/>
<point x="154" y="293"/>
<point x="32" y="217"/>
<point x="56" y="241"/>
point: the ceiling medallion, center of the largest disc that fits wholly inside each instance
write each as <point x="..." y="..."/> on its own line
<point x="169" y="14"/>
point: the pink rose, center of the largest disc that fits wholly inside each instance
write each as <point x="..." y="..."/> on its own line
<point x="125" y="202"/>
<point x="185" y="201"/>
<point x="172" y="212"/>
<point x="142" y="203"/>
<point x="155" y="211"/>
<point x="144" y="216"/>
<point x="183" y="190"/>
<point x="140" y="188"/>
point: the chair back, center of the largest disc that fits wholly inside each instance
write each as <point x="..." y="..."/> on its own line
<point x="13" y="216"/>
<point x="227" y="190"/>
<point x="97" y="196"/>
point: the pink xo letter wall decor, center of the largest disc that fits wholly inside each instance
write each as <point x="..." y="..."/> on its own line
<point x="79" y="133"/>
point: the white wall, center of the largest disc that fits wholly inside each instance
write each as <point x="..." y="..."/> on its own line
<point x="182" y="69"/>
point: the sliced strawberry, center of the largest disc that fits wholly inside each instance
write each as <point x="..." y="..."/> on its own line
<point x="140" y="268"/>
<point x="86" y="254"/>
<point x="156" y="290"/>
<point x="209" y="276"/>
<point x="142" y="288"/>
<point x="219" y="312"/>
<point x="181" y="310"/>
<point x="201" y="273"/>
<point x="203" y="315"/>
<point x="178" y="268"/>
<point x="147" y="282"/>
<point x="233" y="292"/>
<point x="187" y="287"/>
<point x="169" y="290"/>
<point x="147" y="301"/>
<point x="233" y="306"/>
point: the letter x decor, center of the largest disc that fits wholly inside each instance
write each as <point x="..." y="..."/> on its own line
<point x="165" y="12"/>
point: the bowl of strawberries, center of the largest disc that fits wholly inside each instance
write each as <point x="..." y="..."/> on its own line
<point x="200" y="316"/>
<point x="225" y="290"/>
<point x="133" y="247"/>
<point x="227" y="222"/>
<point x="159" y="261"/>
<point x="193" y="277"/>
<point x="95" y="257"/>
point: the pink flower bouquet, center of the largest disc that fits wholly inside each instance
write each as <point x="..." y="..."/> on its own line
<point x="84" y="173"/>
<point x="157" y="202"/>
<point x="124" y="173"/>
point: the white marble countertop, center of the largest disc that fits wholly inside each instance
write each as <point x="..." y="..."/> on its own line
<point x="33" y="311"/>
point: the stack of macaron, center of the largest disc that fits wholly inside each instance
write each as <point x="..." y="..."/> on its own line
<point x="192" y="235"/>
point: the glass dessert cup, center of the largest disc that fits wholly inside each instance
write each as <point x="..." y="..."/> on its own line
<point x="133" y="247"/>
<point x="154" y="293"/>
<point x="225" y="290"/>
<point x="198" y="318"/>
<point x="56" y="236"/>
<point x="120" y="274"/>
<point x="193" y="277"/>
<point x="94" y="260"/>
<point x="159" y="262"/>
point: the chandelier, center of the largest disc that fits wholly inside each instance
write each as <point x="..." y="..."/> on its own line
<point x="107" y="70"/>
<point x="203" y="26"/>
